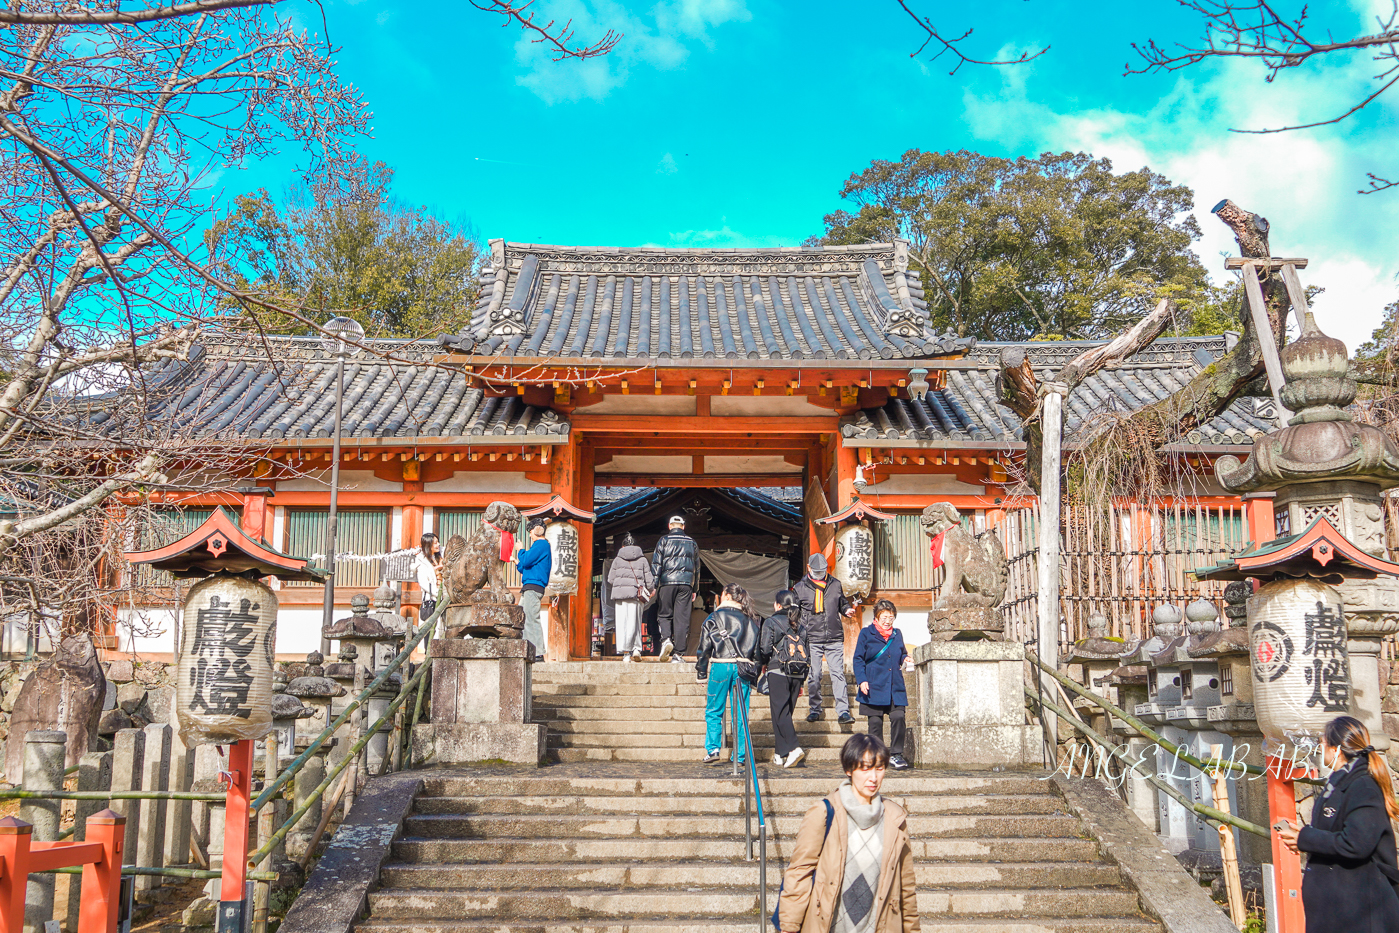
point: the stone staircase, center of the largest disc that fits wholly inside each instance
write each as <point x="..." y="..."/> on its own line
<point x="647" y="711"/>
<point x="646" y="847"/>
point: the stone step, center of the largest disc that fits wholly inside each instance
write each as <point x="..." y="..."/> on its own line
<point x="647" y="700"/>
<point x="486" y="826"/>
<point x="728" y="805"/>
<point x="694" y="739"/>
<point x="647" y="714"/>
<point x="761" y="725"/>
<point x="685" y="900"/>
<point x="636" y="849"/>
<point x="566" y="754"/>
<point x="934" y="924"/>
<point x="774" y="781"/>
<point x="653" y="874"/>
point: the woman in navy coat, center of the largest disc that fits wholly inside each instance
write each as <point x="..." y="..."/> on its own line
<point x="878" y="663"/>
<point x="1351" y="869"/>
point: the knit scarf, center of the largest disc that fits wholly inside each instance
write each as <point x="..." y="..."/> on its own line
<point x="885" y="630"/>
<point x="864" y="850"/>
<point x="507" y="542"/>
<point x="820" y="591"/>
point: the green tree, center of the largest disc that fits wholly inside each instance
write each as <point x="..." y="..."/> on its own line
<point x="1010" y="249"/>
<point x="344" y="244"/>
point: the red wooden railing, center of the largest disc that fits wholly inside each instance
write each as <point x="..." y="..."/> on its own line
<point x="99" y="856"/>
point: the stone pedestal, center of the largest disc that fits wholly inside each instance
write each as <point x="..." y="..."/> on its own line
<point x="480" y="705"/>
<point x="1372" y="614"/>
<point x="485" y="620"/>
<point x="971" y="702"/>
<point x="965" y="625"/>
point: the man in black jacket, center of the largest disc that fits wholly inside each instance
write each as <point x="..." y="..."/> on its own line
<point x="675" y="562"/>
<point x="823" y="606"/>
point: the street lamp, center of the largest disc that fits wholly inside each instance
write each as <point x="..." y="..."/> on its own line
<point x="337" y="335"/>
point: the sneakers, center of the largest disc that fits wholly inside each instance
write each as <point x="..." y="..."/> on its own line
<point x="710" y="757"/>
<point x="666" y="649"/>
<point x="676" y="659"/>
<point x="779" y="760"/>
<point x="635" y="654"/>
<point x="845" y="719"/>
<point x="814" y="716"/>
<point x="628" y="658"/>
<point x="899" y="763"/>
<point x="797" y="757"/>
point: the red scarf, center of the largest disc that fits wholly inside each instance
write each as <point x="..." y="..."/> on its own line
<point x="507" y="542"/>
<point x="886" y="632"/>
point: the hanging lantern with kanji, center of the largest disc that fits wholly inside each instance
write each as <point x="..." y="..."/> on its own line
<point x="227" y="647"/>
<point x="562" y="535"/>
<point x="853" y="561"/>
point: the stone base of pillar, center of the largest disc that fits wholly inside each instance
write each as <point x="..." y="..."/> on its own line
<point x="485" y="620"/>
<point x="972" y="706"/>
<point x="480" y="705"/>
<point x="965" y="624"/>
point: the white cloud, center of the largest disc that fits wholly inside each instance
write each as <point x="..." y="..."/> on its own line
<point x="661" y="41"/>
<point x="667" y="165"/>
<point x="1305" y="182"/>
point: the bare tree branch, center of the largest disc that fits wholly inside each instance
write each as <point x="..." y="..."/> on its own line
<point x="946" y="46"/>
<point x="118" y="16"/>
<point x="549" y="33"/>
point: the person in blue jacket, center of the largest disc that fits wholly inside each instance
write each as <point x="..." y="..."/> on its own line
<point x="878" y="664"/>
<point x="535" y="561"/>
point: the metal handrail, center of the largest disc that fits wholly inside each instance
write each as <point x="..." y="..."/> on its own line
<point x="751" y="783"/>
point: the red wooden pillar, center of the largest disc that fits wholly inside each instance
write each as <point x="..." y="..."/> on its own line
<point x="235" y="840"/>
<point x="412" y="533"/>
<point x="1287" y="865"/>
<point x="102" y="879"/>
<point x="581" y="644"/>
<point x="563" y="474"/>
<point x="1258" y="507"/>
<point x="255" y="523"/>
<point x="15" y="836"/>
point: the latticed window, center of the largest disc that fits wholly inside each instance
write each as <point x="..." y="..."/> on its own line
<point x="1226" y="680"/>
<point x="1187" y="684"/>
<point x="1151" y="683"/>
<point x="466" y="522"/>
<point x="358" y="533"/>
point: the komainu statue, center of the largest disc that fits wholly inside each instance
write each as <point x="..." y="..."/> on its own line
<point x="479" y="602"/>
<point x="976" y="581"/>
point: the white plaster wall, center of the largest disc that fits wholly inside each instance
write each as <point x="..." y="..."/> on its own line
<point x="643" y="405"/>
<point x="298" y="632"/>
<point x="485" y="482"/>
<point x="396" y="528"/>
<point x="357" y="480"/>
<point x="629" y="463"/>
<point x="905" y="484"/>
<point x="760" y="405"/>
<point x="429" y="520"/>
<point x="279" y="535"/>
<point x="157" y="626"/>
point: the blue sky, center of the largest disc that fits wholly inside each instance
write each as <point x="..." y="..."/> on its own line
<point x="735" y="122"/>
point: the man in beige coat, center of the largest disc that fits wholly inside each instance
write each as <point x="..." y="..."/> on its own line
<point x="824" y="866"/>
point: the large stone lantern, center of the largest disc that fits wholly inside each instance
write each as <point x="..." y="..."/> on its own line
<point x="317" y="692"/>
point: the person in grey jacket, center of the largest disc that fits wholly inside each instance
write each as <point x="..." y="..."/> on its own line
<point x="824" y="606"/>
<point x="631" y="581"/>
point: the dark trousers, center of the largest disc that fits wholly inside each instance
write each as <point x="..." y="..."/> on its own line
<point x="896" y="725"/>
<point x="782" y="698"/>
<point x="673" y="616"/>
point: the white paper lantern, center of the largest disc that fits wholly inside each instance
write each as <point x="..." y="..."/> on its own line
<point x="1301" y="674"/>
<point x="224" y="693"/>
<point x="563" y="546"/>
<point x="855" y="559"/>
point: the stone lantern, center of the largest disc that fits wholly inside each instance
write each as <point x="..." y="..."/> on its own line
<point x="286" y="710"/>
<point x="364" y="633"/>
<point x="1161" y="694"/>
<point x="317" y="692"/>
<point x="1096" y="657"/>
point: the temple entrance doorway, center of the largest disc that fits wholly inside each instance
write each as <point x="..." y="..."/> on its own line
<point x="750" y="536"/>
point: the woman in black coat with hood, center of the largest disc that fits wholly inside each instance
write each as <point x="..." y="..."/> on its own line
<point x="1348" y="886"/>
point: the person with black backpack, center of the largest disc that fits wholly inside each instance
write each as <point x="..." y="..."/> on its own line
<point x="785" y="649"/>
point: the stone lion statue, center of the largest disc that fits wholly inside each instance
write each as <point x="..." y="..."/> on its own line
<point x="475" y="570"/>
<point x="977" y="572"/>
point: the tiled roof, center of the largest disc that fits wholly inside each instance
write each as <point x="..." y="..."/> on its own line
<point x="966" y="410"/>
<point x="569" y="302"/>
<point x="230" y="387"/>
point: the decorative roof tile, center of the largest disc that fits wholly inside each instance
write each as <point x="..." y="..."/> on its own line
<point x="570" y="302"/>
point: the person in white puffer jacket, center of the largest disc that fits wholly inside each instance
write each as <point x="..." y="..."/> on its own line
<point x="630" y="582"/>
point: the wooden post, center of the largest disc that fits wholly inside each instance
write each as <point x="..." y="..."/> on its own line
<point x="1262" y="527"/>
<point x="235" y="850"/>
<point x="1229" y="854"/>
<point x="581" y="603"/>
<point x="1287" y="866"/>
<point x="564" y="482"/>
<point x="102" y="880"/>
<point x="14" y="872"/>
<point x="1263" y="330"/>
<point x="265" y="826"/>
<point x="1047" y="603"/>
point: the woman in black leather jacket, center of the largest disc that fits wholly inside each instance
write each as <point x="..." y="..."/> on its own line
<point x="729" y="643"/>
